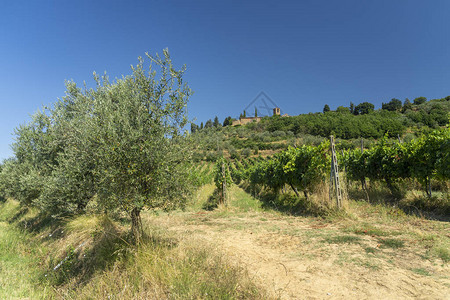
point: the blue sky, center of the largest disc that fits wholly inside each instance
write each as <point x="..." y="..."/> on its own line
<point x="303" y="54"/>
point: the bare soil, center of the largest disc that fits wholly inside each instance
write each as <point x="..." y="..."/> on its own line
<point x="312" y="258"/>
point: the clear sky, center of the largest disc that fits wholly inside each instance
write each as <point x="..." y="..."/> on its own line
<point x="303" y="54"/>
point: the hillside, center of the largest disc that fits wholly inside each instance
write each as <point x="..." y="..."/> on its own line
<point x="276" y="133"/>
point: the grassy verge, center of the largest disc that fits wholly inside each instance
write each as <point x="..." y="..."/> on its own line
<point x="88" y="257"/>
<point x="167" y="268"/>
<point x="19" y="260"/>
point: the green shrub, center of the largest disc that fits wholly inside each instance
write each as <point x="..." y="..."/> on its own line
<point x="246" y="152"/>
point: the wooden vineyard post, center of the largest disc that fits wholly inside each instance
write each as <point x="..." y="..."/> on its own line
<point x="335" y="187"/>
<point x="363" y="180"/>
<point x="224" y="185"/>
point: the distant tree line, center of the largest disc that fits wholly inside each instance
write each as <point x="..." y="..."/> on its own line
<point x="354" y="121"/>
<point x="363" y="120"/>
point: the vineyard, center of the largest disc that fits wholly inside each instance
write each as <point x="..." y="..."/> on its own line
<point x="108" y="186"/>
<point x="394" y="164"/>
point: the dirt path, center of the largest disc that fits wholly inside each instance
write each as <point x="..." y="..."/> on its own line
<point x="289" y="258"/>
<point x="274" y="262"/>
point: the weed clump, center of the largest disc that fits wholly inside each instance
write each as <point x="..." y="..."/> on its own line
<point x="443" y="253"/>
<point x="391" y="243"/>
<point x="343" y="239"/>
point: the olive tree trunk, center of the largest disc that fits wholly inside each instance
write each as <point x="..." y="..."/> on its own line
<point x="136" y="224"/>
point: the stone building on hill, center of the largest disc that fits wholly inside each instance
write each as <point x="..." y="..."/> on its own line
<point x="246" y="120"/>
<point x="276" y="111"/>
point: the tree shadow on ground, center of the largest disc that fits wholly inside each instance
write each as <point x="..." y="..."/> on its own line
<point x="212" y="202"/>
<point x="108" y="246"/>
<point x="434" y="208"/>
<point x="22" y="211"/>
<point x="431" y="208"/>
<point x="102" y="249"/>
<point x="44" y="222"/>
<point x="286" y="203"/>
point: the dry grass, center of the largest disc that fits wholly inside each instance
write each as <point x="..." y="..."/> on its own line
<point x="165" y="266"/>
<point x="366" y="250"/>
<point x="89" y="257"/>
<point x="247" y="250"/>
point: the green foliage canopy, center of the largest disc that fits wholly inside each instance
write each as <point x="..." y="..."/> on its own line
<point x="121" y="142"/>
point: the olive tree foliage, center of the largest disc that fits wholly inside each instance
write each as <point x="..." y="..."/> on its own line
<point x="8" y="178"/>
<point x="121" y="142"/>
<point x="140" y="147"/>
<point x="73" y="183"/>
<point x="35" y="156"/>
<point x="52" y="167"/>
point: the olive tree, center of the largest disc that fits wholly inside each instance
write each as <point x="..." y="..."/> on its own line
<point x="35" y="155"/>
<point x="72" y="183"/>
<point x="136" y="127"/>
<point x="122" y="141"/>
